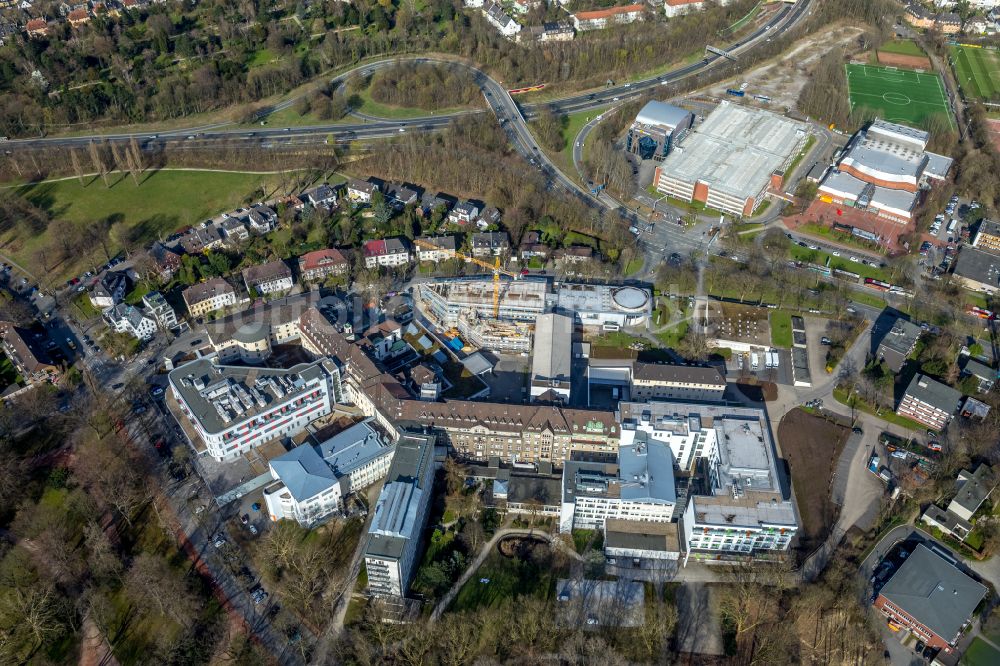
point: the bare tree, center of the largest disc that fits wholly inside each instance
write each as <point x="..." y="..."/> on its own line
<point x="99" y="166"/>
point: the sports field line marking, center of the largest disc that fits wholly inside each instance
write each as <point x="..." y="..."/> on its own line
<point x="915" y="102"/>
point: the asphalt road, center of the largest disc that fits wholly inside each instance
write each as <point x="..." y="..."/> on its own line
<point x="784" y="19"/>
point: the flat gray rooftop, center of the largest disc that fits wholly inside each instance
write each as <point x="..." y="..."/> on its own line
<point x="240" y="393"/>
<point x="735" y="150"/>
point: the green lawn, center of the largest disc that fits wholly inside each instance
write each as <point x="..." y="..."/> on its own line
<point x="781" y="329"/>
<point x="840" y="395"/>
<point x="898" y="95"/>
<point x="574" y="123"/>
<point x="163" y="202"/>
<point x="372" y="108"/>
<point x="8" y="373"/>
<point x="508" y="578"/>
<point x="842" y="262"/>
<point x="261" y="57"/>
<point x="980" y="653"/>
<point x="672" y="336"/>
<point x="903" y="47"/>
<point x="633" y="267"/>
<point x="977" y="71"/>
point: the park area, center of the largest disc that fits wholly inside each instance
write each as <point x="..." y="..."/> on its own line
<point x="897" y="95"/>
<point x="811" y="446"/>
<point x="977" y="71"/>
<point x="163" y="202"/>
<point x="519" y="566"/>
<point x="903" y="53"/>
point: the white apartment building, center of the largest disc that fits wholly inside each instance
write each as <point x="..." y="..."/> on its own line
<point x="312" y="480"/>
<point x="160" y="310"/>
<point x="443" y="248"/>
<point x="391" y="554"/>
<point x="390" y="252"/>
<point x="127" y="319"/>
<point x="209" y="296"/>
<point x="227" y="410"/>
<point x="639" y="488"/>
<point x="269" y="278"/>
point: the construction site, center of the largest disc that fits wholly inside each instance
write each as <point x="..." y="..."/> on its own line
<point x="500" y="314"/>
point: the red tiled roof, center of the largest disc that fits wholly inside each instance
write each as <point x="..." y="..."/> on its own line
<point x="320" y="258"/>
<point x="375" y="248"/>
<point x="611" y="11"/>
<point x="36" y="24"/>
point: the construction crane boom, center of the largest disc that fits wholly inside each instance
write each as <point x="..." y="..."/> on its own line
<point x="494" y="267"/>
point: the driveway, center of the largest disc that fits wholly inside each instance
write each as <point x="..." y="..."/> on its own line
<point x="698" y="630"/>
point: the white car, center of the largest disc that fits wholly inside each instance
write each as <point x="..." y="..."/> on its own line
<point x="814" y="247"/>
<point x="855" y="260"/>
<point x="836" y="253"/>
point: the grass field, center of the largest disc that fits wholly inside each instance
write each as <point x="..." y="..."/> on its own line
<point x="902" y="46"/>
<point x="897" y="95"/>
<point x="508" y="578"/>
<point x="977" y="71"/>
<point x="781" y="329"/>
<point x="163" y="202"/>
<point x="980" y="653"/>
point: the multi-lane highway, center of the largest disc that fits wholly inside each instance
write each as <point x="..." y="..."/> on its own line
<point x="371" y="128"/>
<point x="512" y="117"/>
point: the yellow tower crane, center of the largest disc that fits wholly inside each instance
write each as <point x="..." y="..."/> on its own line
<point x="495" y="267"/>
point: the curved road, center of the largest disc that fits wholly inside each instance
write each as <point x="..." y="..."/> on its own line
<point x="782" y="21"/>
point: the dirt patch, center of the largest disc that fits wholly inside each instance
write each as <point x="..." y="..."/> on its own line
<point x="903" y="60"/>
<point x="811" y="447"/>
<point x="760" y="392"/>
<point x="994" y="129"/>
<point x="742" y="323"/>
<point x="782" y="78"/>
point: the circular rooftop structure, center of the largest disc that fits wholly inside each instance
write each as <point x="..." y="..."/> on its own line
<point x="630" y="298"/>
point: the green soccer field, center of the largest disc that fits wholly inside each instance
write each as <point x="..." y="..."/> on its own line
<point x="897" y="95"/>
<point x="977" y="71"/>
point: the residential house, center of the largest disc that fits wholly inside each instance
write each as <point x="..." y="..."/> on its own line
<point x="918" y="17"/>
<point x="124" y="318"/>
<point x="384" y="340"/>
<point x="209" y="296"/>
<point x="31" y="361"/>
<point x="439" y="200"/>
<point x="490" y="244"/>
<point x="399" y="196"/>
<point x="986" y="375"/>
<point x="532" y="246"/>
<point x="928" y="401"/>
<point x="574" y="254"/>
<point x="949" y="23"/>
<point x="269" y="278"/>
<point x="977" y="25"/>
<point x="317" y="265"/>
<point x="556" y="31"/>
<point x="312" y="480"/>
<point x="931" y="597"/>
<point x="443" y="248"/>
<point x="463" y="213"/>
<point x="897" y="343"/>
<point x="167" y="260"/>
<point x="37" y="28"/>
<point x="393" y="546"/>
<point x="201" y="239"/>
<point x="389" y="252"/>
<point x="322" y="196"/>
<point x="501" y="20"/>
<point x="78" y="17"/>
<point x="158" y="308"/>
<point x="602" y="18"/>
<point x="262" y="219"/>
<point x="360" y="191"/>
<point x="109" y="289"/>
<point x="679" y="382"/>
<point x="972" y="489"/>
<point x="672" y="8"/>
<point x="235" y="230"/>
